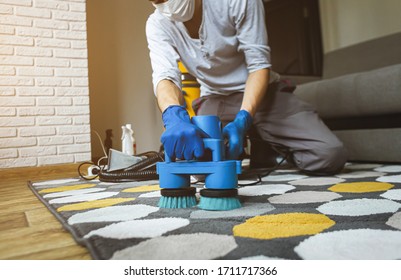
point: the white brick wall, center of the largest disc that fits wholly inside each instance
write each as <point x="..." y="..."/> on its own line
<point x="44" y="96"/>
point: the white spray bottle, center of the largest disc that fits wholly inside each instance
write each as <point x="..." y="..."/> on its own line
<point x="128" y="140"/>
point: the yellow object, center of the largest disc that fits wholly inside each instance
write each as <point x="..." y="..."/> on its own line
<point x="67" y="188"/>
<point x="93" y="204"/>
<point x="143" y="189"/>
<point x="283" y="226"/>
<point x="361" y="187"/>
<point x="190" y="88"/>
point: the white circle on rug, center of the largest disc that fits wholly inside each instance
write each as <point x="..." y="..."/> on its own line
<point x="389" y="168"/>
<point x="303" y="197"/>
<point x="395" y="221"/>
<point x="359" y="166"/>
<point x="83" y="197"/>
<point x="196" y="246"/>
<point x="392" y="194"/>
<point x="317" y="181"/>
<point x="150" y="194"/>
<point x="140" y="228"/>
<point x="113" y="214"/>
<point x="359" y="207"/>
<point x="390" y="179"/>
<point x="247" y="210"/>
<point x="360" y="174"/>
<point x="265" y="189"/>
<point x="355" y="244"/>
<point x="284" y="177"/>
<point x="74" y="192"/>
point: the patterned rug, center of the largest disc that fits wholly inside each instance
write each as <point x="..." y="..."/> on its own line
<point x="353" y="215"/>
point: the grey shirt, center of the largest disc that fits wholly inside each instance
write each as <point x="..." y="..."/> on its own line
<point x="232" y="43"/>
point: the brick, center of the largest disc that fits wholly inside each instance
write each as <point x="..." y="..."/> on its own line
<point x="71" y="72"/>
<point x="15" y="21"/>
<point x="8" y="132"/>
<point x="15" y="81"/>
<point x="38" y="151"/>
<point x="17" y="2"/>
<point x="70" y="53"/>
<point x="54" y="101"/>
<point x="16" y="41"/>
<point x="55" y="82"/>
<point x="33" y="12"/>
<point x="51" y="160"/>
<point x="6" y="91"/>
<point x="79" y="63"/>
<point x="51" y="24"/>
<point x="51" y="4"/>
<point x="35" y="72"/>
<point x="55" y="140"/>
<point x="16" y="101"/>
<point x="8" y="153"/>
<point x="5" y="29"/>
<point x="82" y="100"/>
<point x="6" y="9"/>
<point x="11" y="60"/>
<point x="18" y="162"/>
<point x="34" y="32"/>
<point x="73" y="129"/>
<point x="52" y="62"/>
<point x="72" y="111"/>
<point x="82" y="139"/>
<point x="34" y="91"/>
<point x="77" y="7"/>
<point x="6" y="111"/>
<point x="82" y="120"/>
<point x="78" y="26"/>
<point x="16" y="122"/>
<point x="84" y="82"/>
<point x="34" y="51"/>
<point x="73" y="149"/>
<point x="36" y="111"/>
<point x="6" y="50"/>
<point x="36" y="131"/>
<point x="82" y="157"/>
<point x="79" y="45"/>
<point x="70" y="35"/>
<point x="54" y="120"/>
<point x="7" y="71"/>
<point x="69" y="16"/>
<point x="17" y="142"/>
<point x="72" y="91"/>
<point x="52" y="43"/>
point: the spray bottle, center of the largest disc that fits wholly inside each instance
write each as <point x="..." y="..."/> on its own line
<point x="128" y="140"/>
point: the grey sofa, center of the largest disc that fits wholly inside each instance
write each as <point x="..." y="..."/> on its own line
<point x="359" y="98"/>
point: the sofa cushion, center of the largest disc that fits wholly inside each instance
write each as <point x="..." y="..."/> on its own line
<point x="371" y="93"/>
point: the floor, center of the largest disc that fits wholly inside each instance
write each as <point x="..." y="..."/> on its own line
<point x="28" y="230"/>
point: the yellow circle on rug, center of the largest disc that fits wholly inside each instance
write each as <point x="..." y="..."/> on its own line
<point x="67" y="188"/>
<point x="283" y="225"/>
<point x="150" y="188"/>
<point x="93" y="204"/>
<point x="361" y="187"/>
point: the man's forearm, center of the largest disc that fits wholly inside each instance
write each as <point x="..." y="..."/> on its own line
<point x="167" y="94"/>
<point x="255" y="89"/>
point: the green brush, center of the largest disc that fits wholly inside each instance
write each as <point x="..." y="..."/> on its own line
<point x="219" y="200"/>
<point x="178" y="198"/>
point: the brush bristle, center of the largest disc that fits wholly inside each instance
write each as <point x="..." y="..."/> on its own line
<point x="219" y="203"/>
<point x="177" y="202"/>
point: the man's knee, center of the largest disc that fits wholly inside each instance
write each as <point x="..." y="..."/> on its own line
<point x="322" y="161"/>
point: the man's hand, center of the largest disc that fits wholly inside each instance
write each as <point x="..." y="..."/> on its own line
<point x="235" y="133"/>
<point x="182" y="139"/>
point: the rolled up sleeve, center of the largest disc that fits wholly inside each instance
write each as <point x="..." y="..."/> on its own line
<point x="249" y="19"/>
<point x="163" y="56"/>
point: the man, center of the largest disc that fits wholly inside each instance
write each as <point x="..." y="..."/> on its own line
<point x="224" y="45"/>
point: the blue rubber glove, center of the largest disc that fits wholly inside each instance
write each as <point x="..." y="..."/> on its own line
<point x="181" y="139"/>
<point x="234" y="132"/>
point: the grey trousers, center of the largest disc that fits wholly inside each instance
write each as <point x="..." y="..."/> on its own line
<point x="284" y="120"/>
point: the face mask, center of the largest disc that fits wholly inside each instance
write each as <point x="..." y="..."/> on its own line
<point x="178" y="10"/>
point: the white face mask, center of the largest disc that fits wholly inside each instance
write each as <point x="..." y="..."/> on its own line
<point x="178" y="10"/>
